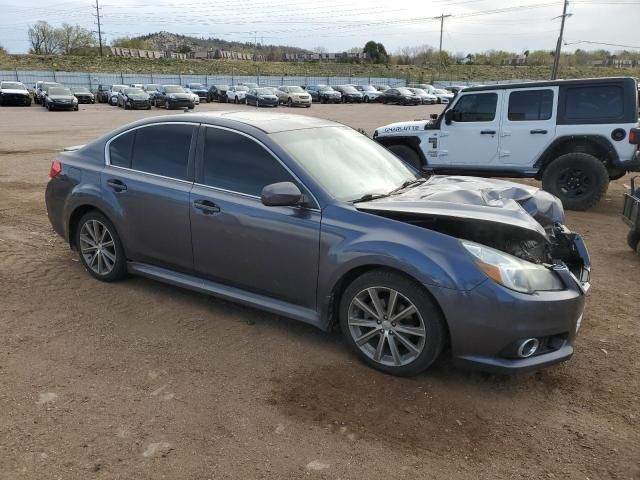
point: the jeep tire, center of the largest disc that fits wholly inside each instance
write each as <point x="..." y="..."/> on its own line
<point x="579" y="180"/>
<point x="408" y="154"/>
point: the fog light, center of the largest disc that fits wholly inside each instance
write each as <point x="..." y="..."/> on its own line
<point x="528" y="347"/>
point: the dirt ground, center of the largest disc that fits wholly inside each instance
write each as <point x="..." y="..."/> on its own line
<point x="139" y="380"/>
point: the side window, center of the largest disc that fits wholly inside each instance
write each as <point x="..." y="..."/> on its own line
<point x="237" y="163"/>
<point x="585" y="103"/>
<point x="163" y="150"/>
<point x="120" y="150"/>
<point x="476" y="107"/>
<point x="530" y="105"/>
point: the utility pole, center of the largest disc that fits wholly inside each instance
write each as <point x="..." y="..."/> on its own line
<point x="97" y="15"/>
<point x="556" y="58"/>
<point x="441" y="17"/>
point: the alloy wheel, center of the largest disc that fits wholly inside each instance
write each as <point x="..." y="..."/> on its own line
<point x="97" y="247"/>
<point x="386" y="326"/>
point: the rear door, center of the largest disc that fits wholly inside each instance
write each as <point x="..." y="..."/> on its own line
<point x="528" y="125"/>
<point x="147" y="179"/>
<point x="472" y="137"/>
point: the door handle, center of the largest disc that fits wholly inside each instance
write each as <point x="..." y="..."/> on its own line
<point x="487" y="132"/>
<point x="117" y="185"/>
<point x="538" y="131"/>
<point x="206" y="207"/>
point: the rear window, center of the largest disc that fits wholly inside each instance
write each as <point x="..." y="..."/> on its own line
<point x="595" y="102"/>
<point x="530" y="105"/>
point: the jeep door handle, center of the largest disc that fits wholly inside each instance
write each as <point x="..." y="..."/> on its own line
<point x="487" y="132"/>
<point x="206" y="207"/>
<point x="538" y="131"/>
<point x="117" y="185"/>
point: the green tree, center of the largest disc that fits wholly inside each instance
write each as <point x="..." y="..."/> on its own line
<point x="376" y="53"/>
<point x="127" y="42"/>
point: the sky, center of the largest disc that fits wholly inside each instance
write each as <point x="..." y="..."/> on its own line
<point x="337" y="25"/>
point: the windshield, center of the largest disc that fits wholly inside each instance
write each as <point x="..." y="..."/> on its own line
<point x="418" y="91"/>
<point x="347" y="164"/>
<point x="196" y="85"/>
<point x="368" y="88"/>
<point x="16" y="85"/>
<point x="133" y="90"/>
<point x="441" y="91"/>
<point x="241" y="88"/>
<point x="151" y="86"/>
<point x="349" y="89"/>
<point x="80" y="90"/>
<point x="405" y="91"/>
<point x="174" y="89"/>
<point x="59" y="91"/>
<point x="296" y="90"/>
<point x="326" y="89"/>
<point x="264" y="91"/>
<point x="222" y="87"/>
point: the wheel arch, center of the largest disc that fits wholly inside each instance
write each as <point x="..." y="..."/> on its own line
<point x="595" y="145"/>
<point x="352" y="274"/>
<point x="412" y="142"/>
<point x="74" y="218"/>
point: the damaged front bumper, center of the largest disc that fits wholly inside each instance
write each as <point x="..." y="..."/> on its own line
<point x="488" y="324"/>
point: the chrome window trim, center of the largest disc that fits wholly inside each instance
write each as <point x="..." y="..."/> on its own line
<point x="107" y="155"/>
<point x="317" y="204"/>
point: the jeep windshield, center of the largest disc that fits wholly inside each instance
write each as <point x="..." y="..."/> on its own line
<point x="346" y="163"/>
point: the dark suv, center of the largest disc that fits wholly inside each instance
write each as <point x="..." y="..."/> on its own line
<point x="103" y="93"/>
<point x="312" y="220"/>
<point x="324" y="94"/>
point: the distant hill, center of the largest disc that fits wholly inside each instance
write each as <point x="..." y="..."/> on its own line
<point x="174" y="42"/>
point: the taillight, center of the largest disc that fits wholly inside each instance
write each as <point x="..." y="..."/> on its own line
<point x="634" y="136"/>
<point x="56" y="168"/>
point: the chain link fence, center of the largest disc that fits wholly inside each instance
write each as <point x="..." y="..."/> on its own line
<point x="91" y="80"/>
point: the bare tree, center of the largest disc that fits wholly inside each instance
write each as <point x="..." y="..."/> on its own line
<point x="43" y="38"/>
<point x="74" y="38"/>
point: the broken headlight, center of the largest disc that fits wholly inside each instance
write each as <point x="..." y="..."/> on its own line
<point x="512" y="272"/>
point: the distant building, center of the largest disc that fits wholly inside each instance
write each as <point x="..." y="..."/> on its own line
<point x="326" y="57"/>
<point x="136" y="52"/>
<point x="616" y="63"/>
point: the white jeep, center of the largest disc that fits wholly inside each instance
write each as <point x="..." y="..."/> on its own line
<point x="571" y="134"/>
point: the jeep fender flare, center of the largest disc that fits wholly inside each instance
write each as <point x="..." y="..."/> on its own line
<point x="597" y="145"/>
<point x="411" y="141"/>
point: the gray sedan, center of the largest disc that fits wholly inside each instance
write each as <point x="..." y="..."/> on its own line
<point x="310" y="219"/>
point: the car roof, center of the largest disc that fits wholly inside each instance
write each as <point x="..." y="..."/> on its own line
<point x="268" y="122"/>
<point x="549" y="83"/>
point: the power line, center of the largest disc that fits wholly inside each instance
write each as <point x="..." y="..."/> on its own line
<point x="601" y="43"/>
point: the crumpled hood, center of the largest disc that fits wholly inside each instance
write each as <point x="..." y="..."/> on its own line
<point x="497" y="201"/>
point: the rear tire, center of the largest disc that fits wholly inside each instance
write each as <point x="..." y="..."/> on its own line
<point x="112" y="264"/>
<point x="633" y="240"/>
<point x="579" y="180"/>
<point x="403" y="347"/>
<point x="408" y="154"/>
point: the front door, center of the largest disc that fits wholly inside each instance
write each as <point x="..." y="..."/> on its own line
<point x="472" y="137"/>
<point x="240" y="242"/>
<point x="528" y="125"/>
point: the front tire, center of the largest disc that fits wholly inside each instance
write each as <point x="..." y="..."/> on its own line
<point x="408" y="154"/>
<point x="392" y="323"/>
<point x="100" y="248"/>
<point x="579" y="180"/>
<point x="289" y="103"/>
<point x="167" y="106"/>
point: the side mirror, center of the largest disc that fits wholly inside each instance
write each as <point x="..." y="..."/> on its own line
<point x="433" y="116"/>
<point x="281" y="194"/>
<point x="448" y="117"/>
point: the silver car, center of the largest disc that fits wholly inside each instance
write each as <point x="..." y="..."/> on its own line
<point x="293" y="96"/>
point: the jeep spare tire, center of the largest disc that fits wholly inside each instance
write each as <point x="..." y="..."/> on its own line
<point x="408" y="154"/>
<point x="579" y="180"/>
